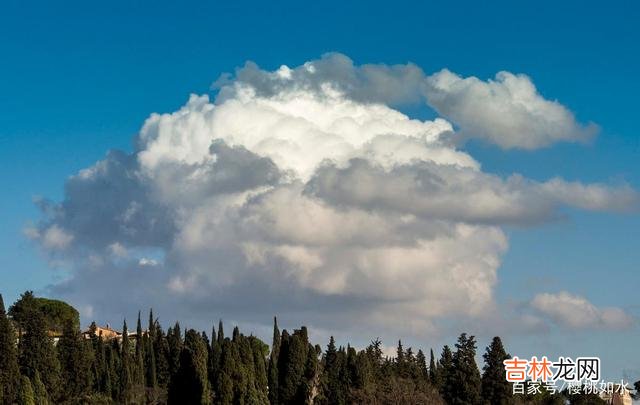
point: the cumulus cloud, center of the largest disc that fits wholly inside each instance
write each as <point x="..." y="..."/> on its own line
<point x="301" y="192"/>
<point x="459" y="193"/>
<point x="507" y="111"/>
<point x="576" y="312"/>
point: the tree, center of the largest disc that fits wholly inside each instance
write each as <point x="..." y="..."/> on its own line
<point x="421" y="363"/>
<point x="25" y="394"/>
<point x="220" y="333"/>
<point x="55" y="313"/>
<point x="466" y="382"/>
<point x="174" y="341"/>
<point x="291" y="366"/>
<point x="9" y="370"/>
<point x="74" y="362"/>
<point x="273" y="363"/>
<point x="495" y="387"/>
<point x="445" y="374"/>
<point x="400" y="363"/>
<point x="37" y="353"/>
<point x="138" y="369"/>
<point x="162" y="357"/>
<point x="190" y="385"/>
<point x="125" y="366"/>
<point x="39" y="391"/>
<point x="433" y="369"/>
<point x="150" y="357"/>
<point x="335" y="387"/>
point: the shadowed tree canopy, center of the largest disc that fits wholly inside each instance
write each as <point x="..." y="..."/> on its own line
<point x="55" y="313"/>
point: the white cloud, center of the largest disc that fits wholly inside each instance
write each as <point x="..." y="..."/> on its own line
<point x="55" y="238"/>
<point x="307" y="194"/>
<point x="507" y="111"/>
<point x="576" y="312"/>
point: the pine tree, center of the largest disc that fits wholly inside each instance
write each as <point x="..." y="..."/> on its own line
<point x="9" y="371"/>
<point x="400" y="363"/>
<point x="445" y="375"/>
<point x="467" y="386"/>
<point x="335" y="374"/>
<point x="495" y="387"/>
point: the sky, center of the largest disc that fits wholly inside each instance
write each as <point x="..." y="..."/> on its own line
<point x="407" y="170"/>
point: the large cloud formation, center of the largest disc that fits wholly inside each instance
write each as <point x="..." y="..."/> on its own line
<point x="304" y="192"/>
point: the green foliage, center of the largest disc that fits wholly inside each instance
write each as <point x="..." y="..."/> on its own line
<point x="37" y="353"/>
<point x="193" y="369"/>
<point x="75" y="358"/>
<point x="125" y="381"/>
<point x="495" y="387"/>
<point x="433" y="370"/>
<point x="55" y="313"/>
<point x="273" y="363"/>
<point x="466" y="380"/>
<point x="9" y="371"/>
<point x="190" y="384"/>
<point x="293" y="384"/>
<point x="25" y="394"/>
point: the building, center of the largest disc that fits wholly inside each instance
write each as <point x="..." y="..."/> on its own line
<point x="105" y="332"/>
<point x="617" y="397"/>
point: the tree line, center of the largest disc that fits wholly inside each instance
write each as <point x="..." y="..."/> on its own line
<point x="152" y="366"/>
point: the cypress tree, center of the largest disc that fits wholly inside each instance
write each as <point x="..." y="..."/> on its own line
<point x="273" y="363"/>
<point x="400" y="362"/>
<point x="9" y="371"/>
<point x="39" y="391"/>
<point x="433" y="369"/>
<point x="125" y="366"/>
<point x="421" y="363"/>
<point x="190" y="385"/>
<point x="495" y="387"/>
<point x="139" y="373"/>
<point x="37" y="353"/>
<point x="150" y="353"/>
<point x="259" y="350"/>
<point x="174" y="340"/>
<point x="228" y="366"/>
<point x="25" y="394"/>
<point x="220" y="333"/>
<point x="114" y="364"/>
<point x="74" y="362"/>
<point x="104" y="372"/>
<point x="162" y="356"/>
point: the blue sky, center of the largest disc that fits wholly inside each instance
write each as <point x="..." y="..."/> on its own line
<point x="81" y="79"/>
